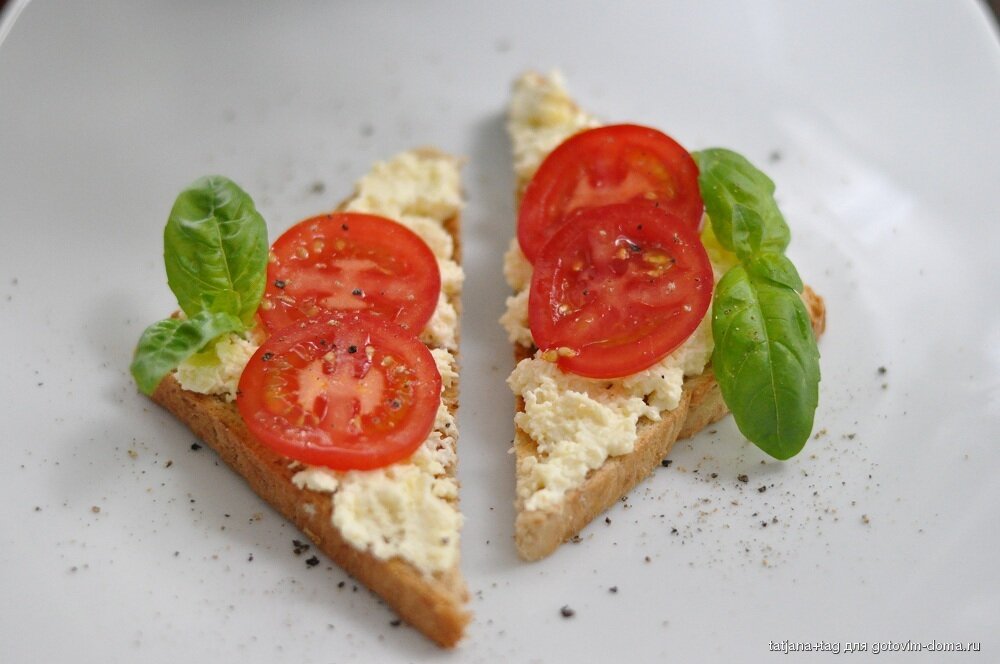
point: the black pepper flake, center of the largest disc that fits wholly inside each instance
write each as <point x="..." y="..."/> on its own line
<point x="312" y="562"/>
<point x="666" y="463"/>
<point x="341" y="584"/>
<point x="279" y="283"/>
<point x="267" y="357"/>
<point x="352" y="349"/>
<point x="299" y="547"/>
<point x="882" y="370"/>
<point x="344" y="227"/>
<point x="567" y="612"/>
<point x="762" y="488"/>
<point x="576" y="539"/>
<point x="358" y="292"/>
<point x="648" y="559"/>
<point x="607" y="520"/>
<point x="195" y="446"/>
<point x="673" y="531"/>
<point x="395" y="623"/>
<point x="613" y="589"/>
<point x="714" y="475"/>
<point x="743" y="478"/>
<point x="250" y="558"/>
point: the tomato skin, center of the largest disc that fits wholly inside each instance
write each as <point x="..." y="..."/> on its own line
<point x="347" y="391"/>
<point x="606" y="165"/>
<point x="617" y="288"/>
<point x="349" y="261"/>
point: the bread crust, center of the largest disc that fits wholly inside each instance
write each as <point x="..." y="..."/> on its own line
<point x="434" y="604"/>
<point x="537" y="533"/>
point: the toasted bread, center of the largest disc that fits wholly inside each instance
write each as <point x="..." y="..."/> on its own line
<point x="539" y="532"/>
<point x="433" y="602"/>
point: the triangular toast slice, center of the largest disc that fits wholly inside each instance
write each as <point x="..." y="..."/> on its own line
<point x="430" y="596"/>
<point x="541" y="115"/>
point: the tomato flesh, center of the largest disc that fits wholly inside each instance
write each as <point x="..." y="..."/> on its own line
<point x="606" y="165"/>
<point x="617" y="288"/>
<point x="348" y="261"/>
<point x="346" y="391"/>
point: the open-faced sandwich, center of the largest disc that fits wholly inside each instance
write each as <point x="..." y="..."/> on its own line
<point x="652" y="297"/>
<point x="323" y="370"/>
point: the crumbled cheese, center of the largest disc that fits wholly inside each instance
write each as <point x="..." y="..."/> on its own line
<point x="541" y="116"/>
<point x="446" y="367"/>
<point x="578" y="423"/>
<point x="317" y="478"/>
<point x="420" y="190"/>
<point x="217" y="369"/>
<point x="402" y="510"/>
<point x="515" y="320"/>
<point x="452" y="276"/>
<point x="516" y="268"/>
<point x="396" y="512"/>
<point x="441" y="329"/>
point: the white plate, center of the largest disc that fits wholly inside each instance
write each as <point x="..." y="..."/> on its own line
<point x="877" y="120"/>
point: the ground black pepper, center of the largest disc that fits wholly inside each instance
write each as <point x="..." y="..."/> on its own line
<point x="567" y="612"/>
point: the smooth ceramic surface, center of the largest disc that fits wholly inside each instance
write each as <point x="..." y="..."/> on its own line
<point x="878" y="121"/>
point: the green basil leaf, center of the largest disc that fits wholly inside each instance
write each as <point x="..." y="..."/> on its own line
<point x="775" y="268"/>
<point x="740" y="202"/>
<point x="765" y="360"/>
<point x="164" y="345"/>
<point x="215" y="249"/>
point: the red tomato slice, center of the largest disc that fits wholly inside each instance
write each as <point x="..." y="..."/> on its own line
<point x="617" y="288"/>
<point x="612" y="164"/>
<point x="347" y="391"/>
<point x="348" y="261"/>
